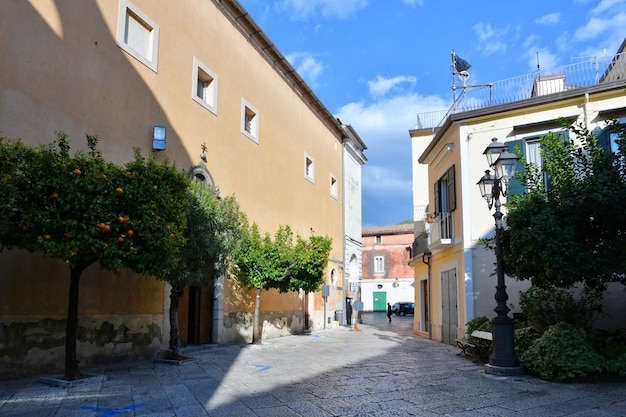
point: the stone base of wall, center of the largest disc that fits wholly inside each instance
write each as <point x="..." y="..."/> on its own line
<point x="36" y="345"/>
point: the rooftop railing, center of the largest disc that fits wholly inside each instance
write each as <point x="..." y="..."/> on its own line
<point x="584" y="73"/>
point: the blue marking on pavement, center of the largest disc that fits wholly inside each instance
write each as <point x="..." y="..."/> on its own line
<point x="263" y="368"/>
<point x="321" y="336"/>
<point x="111" y="413"/>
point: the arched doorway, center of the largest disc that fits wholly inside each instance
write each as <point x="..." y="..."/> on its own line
<point x="195" y="311"/>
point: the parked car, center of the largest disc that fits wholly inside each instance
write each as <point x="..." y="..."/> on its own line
<point x="403" y="308"/>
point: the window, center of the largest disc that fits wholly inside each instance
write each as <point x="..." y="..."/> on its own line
<point x="249" y="121"/>
<point x="334" y="187"/>
<point x="445" y="192"/>
<point x="379" y="264"/>
<point x="204" y="86"/>
<point x="379" y="239"/>
<point x="530" y="147"/>
<point x="309" y="168"/>
<point x="137" y="34"/>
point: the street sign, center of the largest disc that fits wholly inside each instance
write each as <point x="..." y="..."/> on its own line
<point x="354" y="286"/>
<point x="358" y="305"/>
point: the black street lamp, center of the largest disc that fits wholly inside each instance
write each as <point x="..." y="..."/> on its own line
<point x="503" y="360"/>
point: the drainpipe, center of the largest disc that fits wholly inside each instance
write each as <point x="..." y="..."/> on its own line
<point x="585" y="108"/>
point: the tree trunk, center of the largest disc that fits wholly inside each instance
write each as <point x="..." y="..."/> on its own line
<point x="256" y="328"/>
<point x="175" y="344"/>
<point x="72" y="371"/>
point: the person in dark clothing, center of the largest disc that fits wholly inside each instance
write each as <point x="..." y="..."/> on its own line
<point x="348" y="313"/>
<point x="389" y="312"/>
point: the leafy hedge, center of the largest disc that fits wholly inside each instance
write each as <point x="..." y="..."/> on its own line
<point x="563" y="352"/>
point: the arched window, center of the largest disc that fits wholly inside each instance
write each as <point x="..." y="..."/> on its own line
<point x="201" y="174"/>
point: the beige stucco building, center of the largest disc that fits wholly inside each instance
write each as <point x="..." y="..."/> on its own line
<point x="235" y="114"/>
<point x="454" y="272"/>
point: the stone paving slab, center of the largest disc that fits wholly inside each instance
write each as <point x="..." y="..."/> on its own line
<point x="384" y="370"/>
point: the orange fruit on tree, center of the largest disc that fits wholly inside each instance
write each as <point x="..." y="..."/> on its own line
<point x="171" y="235"/>
<point x="77" y="172"/>
<point x="121" y="239"/>
<point x="47" y="237"/>
<point x="69" y="235"/>
<point x="119" y="190"/>
<point x="107" y="228"/>
<point x="130" y="233"/>
<point x="55" y="196"/>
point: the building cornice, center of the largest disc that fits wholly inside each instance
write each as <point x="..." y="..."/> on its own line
<point x="242" y="20"/>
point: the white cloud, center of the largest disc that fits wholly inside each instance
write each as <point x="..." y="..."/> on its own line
<point x="384" y="127"/>
<point x="608" y="17"/>
<point x="381" y="86"/>
<point x="491" y="41"/>
<point x="381" y="179"/>
<point x="607" y="7"/>
<point x="549" y="19"/>
<point x="307" y="66"/>
<point x="304" y="9"/>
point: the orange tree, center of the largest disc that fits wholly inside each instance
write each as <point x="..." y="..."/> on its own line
<point x="213" y="234"/>
<point x="263" y="263"/>
<point x="82" y="210"/>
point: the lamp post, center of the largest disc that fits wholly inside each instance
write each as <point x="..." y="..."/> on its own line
<point x="503" y="360"/>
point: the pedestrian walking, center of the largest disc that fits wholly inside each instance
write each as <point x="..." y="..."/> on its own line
<point x="389" y="312"/>
<point x="348" y="312"/>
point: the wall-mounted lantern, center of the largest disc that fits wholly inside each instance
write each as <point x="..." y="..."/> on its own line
<point x="158" y="138"/>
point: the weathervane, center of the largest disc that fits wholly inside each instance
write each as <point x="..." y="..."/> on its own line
<point x="459" y="69"/>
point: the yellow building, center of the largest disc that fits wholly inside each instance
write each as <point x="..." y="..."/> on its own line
<point x="454" y="272"/>
<point x="206" y="75"/>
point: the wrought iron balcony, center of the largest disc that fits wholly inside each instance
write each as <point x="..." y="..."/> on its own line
<point x="441" y="231"/>
<point x="585" y="73"/>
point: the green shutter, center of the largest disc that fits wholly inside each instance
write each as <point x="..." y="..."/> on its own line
<point x="604" y="138"/>
<point x="436" y="198"/>
<point x="515" y="186"/>
<point x="451" y="189"/>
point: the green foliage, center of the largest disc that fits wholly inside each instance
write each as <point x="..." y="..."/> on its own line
<point x="545" y="307"/>
<point x="213" y="235"/>
<point x="481" y="323"/>
<point x="525" y="337"/>
<point x="576" y="231"/>
<point x="279" y="263"/>
<point x="563" y="352"/>
<point x="615" y="353"/>
<point x="82" y="209"/>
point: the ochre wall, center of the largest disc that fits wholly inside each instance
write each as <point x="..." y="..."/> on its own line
<point x="63" y="71"/>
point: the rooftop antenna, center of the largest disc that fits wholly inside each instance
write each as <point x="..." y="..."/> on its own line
<point x="538" y="67"/>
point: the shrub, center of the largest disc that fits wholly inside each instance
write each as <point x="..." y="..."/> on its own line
<point x="544" y="307"/>
<point x="563" y="352"/>
<point x="525" y="337"/>
<point x="478" y="323"/>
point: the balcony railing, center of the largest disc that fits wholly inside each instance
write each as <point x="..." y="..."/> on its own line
<point x="441" y="230"/>
<point x="580" y="74"/>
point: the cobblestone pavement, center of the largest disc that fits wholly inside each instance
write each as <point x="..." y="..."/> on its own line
<point x="381" y="370"/>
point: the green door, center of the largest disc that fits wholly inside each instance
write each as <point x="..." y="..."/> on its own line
<point x="380" y="301"/>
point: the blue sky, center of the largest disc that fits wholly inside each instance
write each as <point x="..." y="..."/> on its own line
<point x="376" y="64"/>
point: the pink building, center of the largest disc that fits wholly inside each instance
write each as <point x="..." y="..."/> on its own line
<point x="387" y="277"/>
